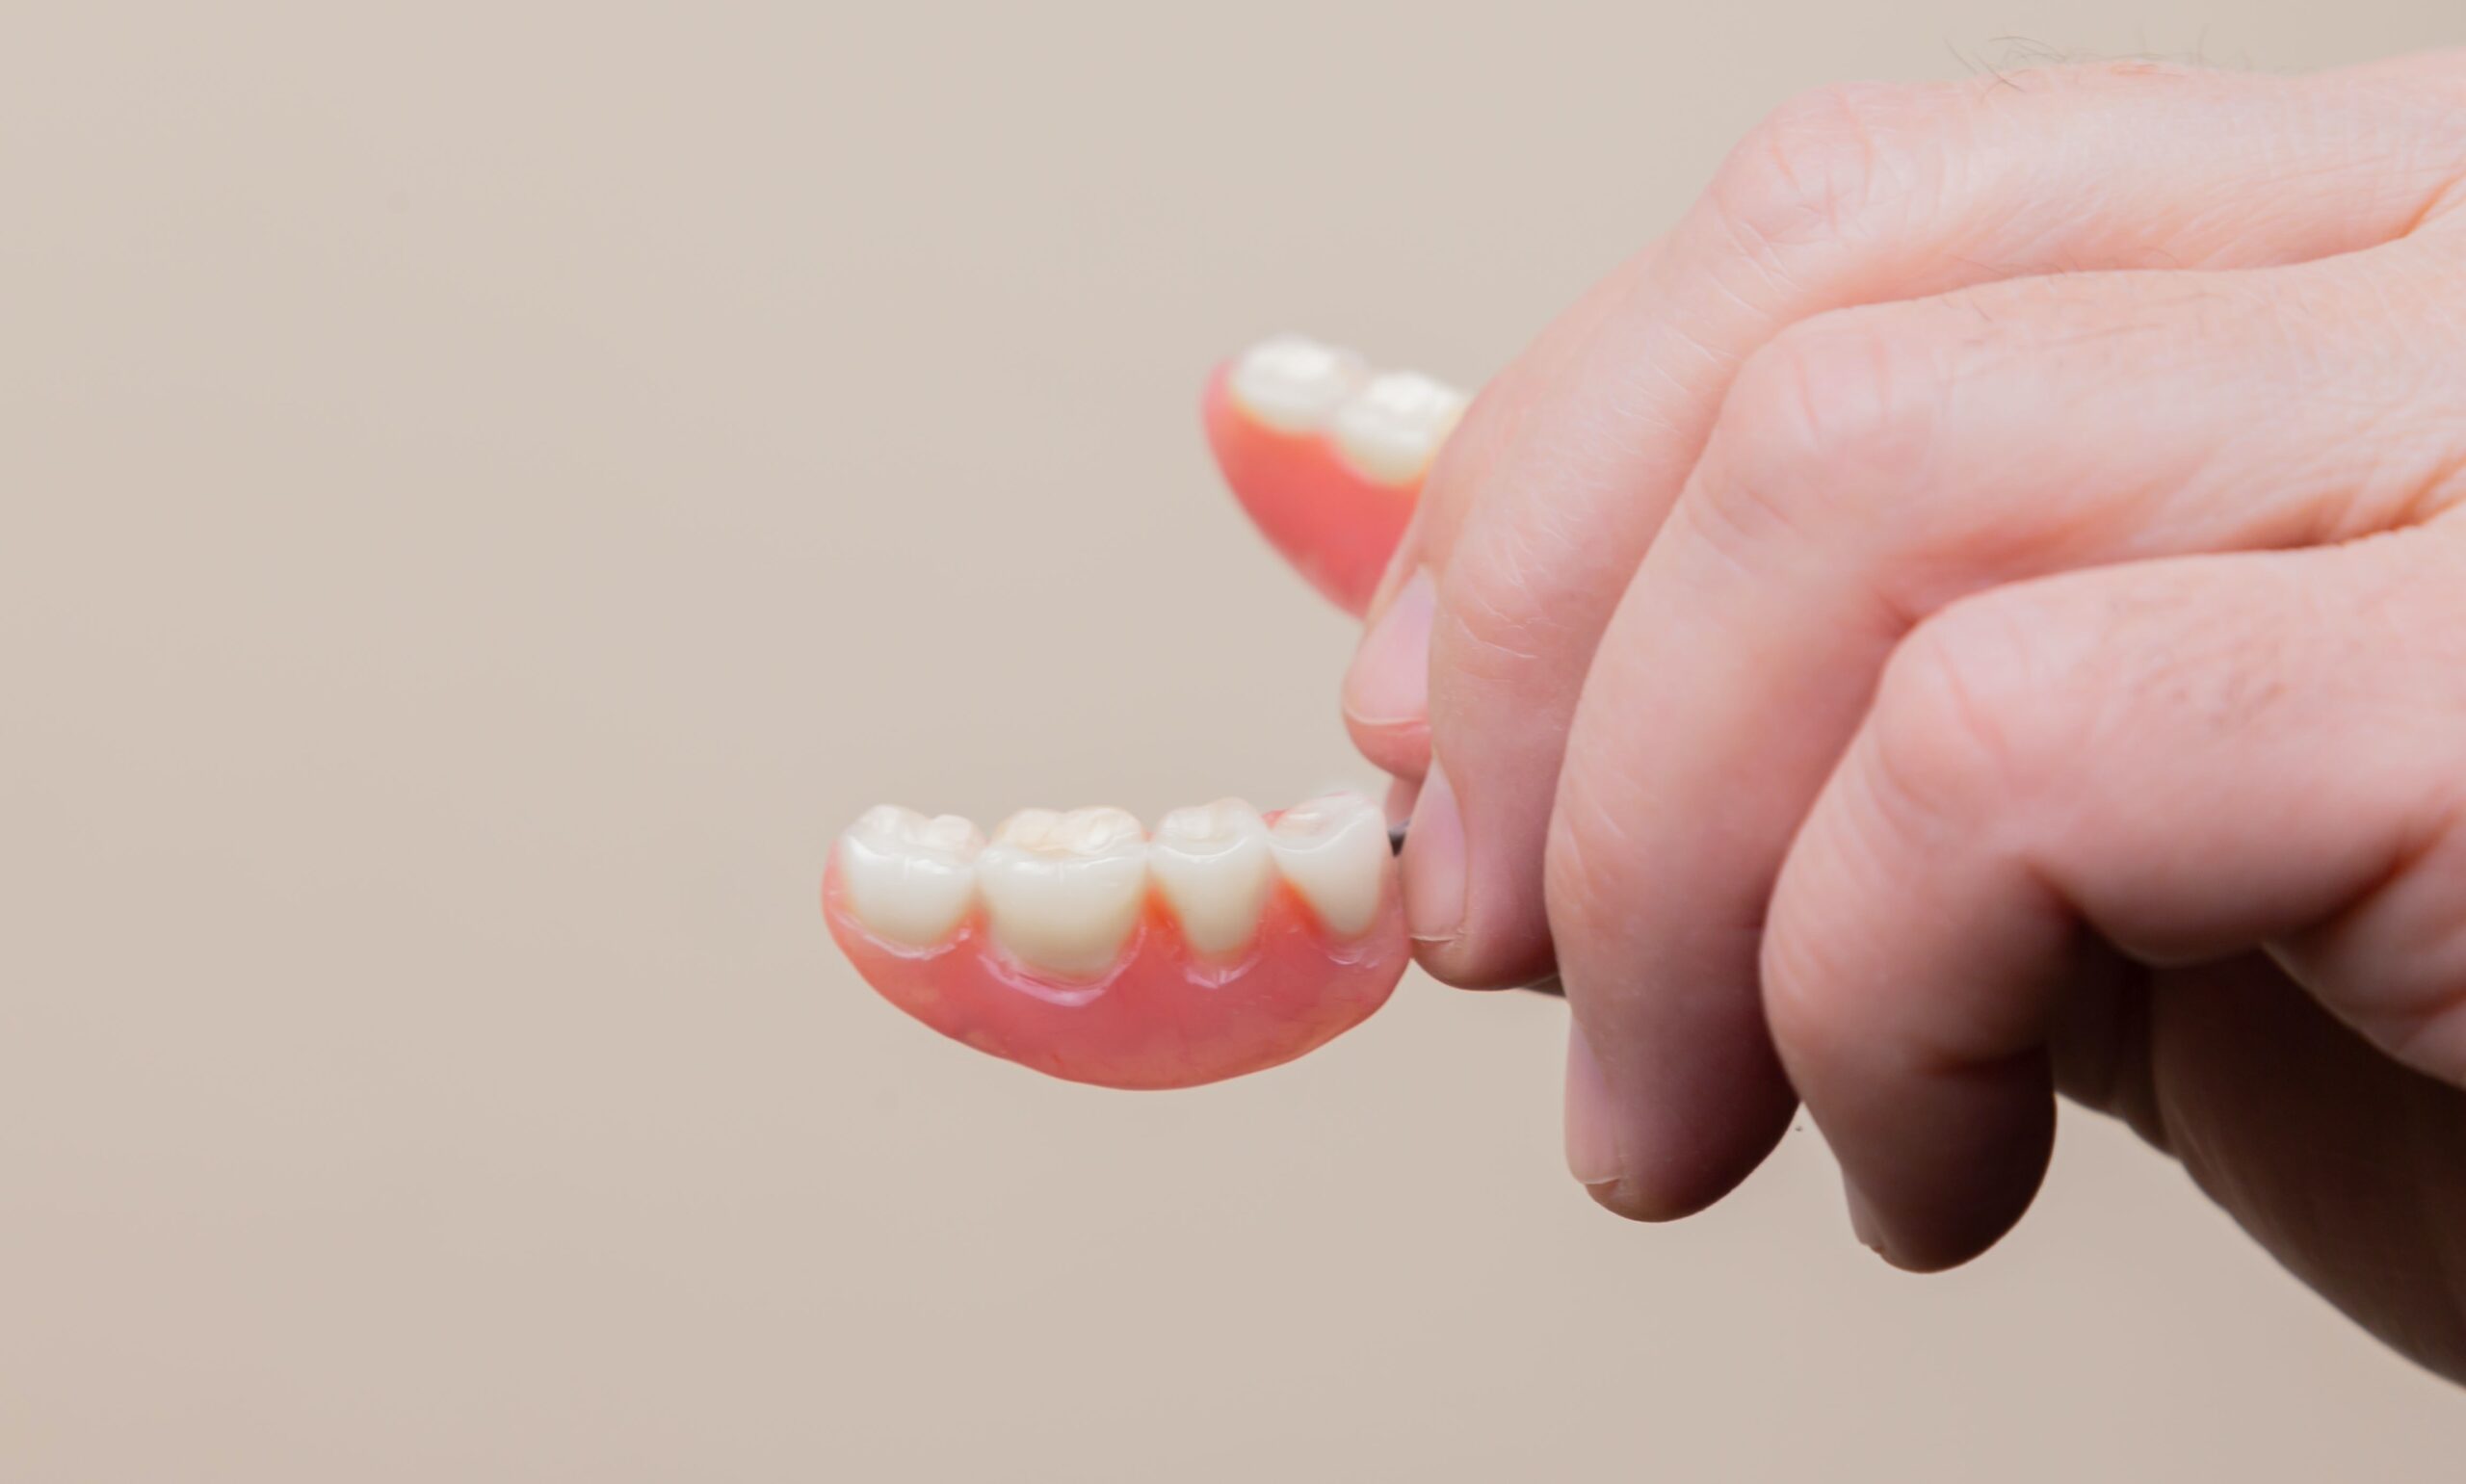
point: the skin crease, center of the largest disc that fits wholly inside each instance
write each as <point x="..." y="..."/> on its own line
<point x="1979" y="612"/>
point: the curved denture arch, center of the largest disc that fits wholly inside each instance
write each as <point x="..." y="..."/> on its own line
<point x="1076" y="943"/>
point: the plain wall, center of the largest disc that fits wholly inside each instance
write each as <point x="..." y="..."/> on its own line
<point x="490" y="490"/>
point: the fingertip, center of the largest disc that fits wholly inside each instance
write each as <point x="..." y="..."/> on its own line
<point x="1931" y="1205"/>
<point x="1665" y="1148"/>
<point x="1401" y="750"/>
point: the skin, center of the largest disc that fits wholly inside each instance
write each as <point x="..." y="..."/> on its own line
<point x="1980" y="612"/>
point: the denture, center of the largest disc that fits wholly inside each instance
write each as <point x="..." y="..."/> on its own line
<point x="1079" y="946"/>
<point x="1326" y="454"/>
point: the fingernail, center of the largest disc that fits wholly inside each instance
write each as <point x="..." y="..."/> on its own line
<point x="1433" y="864"/>
<point x="1389" y="682"/>
<point x="1593" y="1142"/>
<point x="1862" y="1218"/>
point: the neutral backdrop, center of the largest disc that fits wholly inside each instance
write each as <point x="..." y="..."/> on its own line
<point x="490" y="490"/>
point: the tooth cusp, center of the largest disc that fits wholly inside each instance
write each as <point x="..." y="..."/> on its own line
<point x="908" y="878"/>
<point x="1064" y="890"/>
<point x="1214" y="867"/>
<point x="1334" y="850"/>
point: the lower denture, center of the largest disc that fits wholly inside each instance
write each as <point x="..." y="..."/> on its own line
<point x="1161" y="1014"/>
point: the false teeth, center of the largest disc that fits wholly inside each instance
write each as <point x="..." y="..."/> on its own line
<point x="1213" y="864"/>
<point x="910" y="878"/>
<point x="1062" y="893"/>
<point x="1064" y="890"/>
<point x="1334" y="850"/>
<point x="1385" y="427"/>
<point x="1392" y="428"/>
<point x="1294" y="384"/>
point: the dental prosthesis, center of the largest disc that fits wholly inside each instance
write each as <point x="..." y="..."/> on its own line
<point x="1326" y="454"/>
<point x="1228" y="941"/>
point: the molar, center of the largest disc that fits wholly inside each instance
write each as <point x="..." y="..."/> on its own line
<point x="1294" y="385"/>
<point x="1064" y="890"/>
<point x="908" y="878"/>
<point x="1212" y="864"/>
<point x="1334" y="850"/>
<point x="1391" y="428"/>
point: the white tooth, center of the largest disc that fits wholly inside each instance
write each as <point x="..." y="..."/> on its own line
<point x="1391" y="428"/>
<point x="1293" y="384"/>
<point x="1065" y="889"/>
<point x="1334" y="851"/>
<point x="908" y="877"/>
<point x="1213" y="862"/>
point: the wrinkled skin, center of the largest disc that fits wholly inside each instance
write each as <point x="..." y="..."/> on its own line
<point x="1979" y="611"/>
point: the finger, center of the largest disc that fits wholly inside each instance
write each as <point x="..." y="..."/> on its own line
<point x="1850" y="197"/>
<point x="1870" y="467"/>
<point x="1326" y="455"/>
<point x="2438" y="73"/>
<point x="2189" y="758"/>
<point x="1386" y="693"/>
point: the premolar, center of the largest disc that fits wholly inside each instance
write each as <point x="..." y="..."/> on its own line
<point x="1064" y="890"/>
<point x="1212" y="864"/>
<point x="909" y="878"/>
<point x="1334" y="851"/>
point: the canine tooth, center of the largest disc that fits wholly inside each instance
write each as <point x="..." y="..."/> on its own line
<point x="907" y="877"/>
<point x="1391" y="428"/>
<point x="1065" y="889"/>
<point x="1334" y="851"/>
<point x="1212" y="864"/>
<point x="1293" y="383"/>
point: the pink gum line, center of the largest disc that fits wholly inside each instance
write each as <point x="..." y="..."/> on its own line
<point x="1162" y="1017"/>
<point x="1337" y="527"/>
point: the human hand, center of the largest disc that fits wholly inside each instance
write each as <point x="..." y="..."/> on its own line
<point x="1979" y="612"/>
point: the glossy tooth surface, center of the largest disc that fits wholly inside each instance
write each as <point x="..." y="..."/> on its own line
<point x="1064" y="890"/>
<point x="1390" y="430"/>
<point x="907" y="877"/>
<point x="1334" y="850"/>
<point x="1212" y="864"/>
<point x="1295" y="384"/>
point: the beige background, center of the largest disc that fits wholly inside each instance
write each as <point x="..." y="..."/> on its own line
<point x="487" y="494"/>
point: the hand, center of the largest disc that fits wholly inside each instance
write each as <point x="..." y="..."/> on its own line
<point x="1979" y="612"/>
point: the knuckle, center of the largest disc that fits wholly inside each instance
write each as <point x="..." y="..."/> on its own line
<point x="1820" y="165"/>
<point x="1969" y="713"/>
<point x="1506" y="562"/>
<point x="1833" y="422"/>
